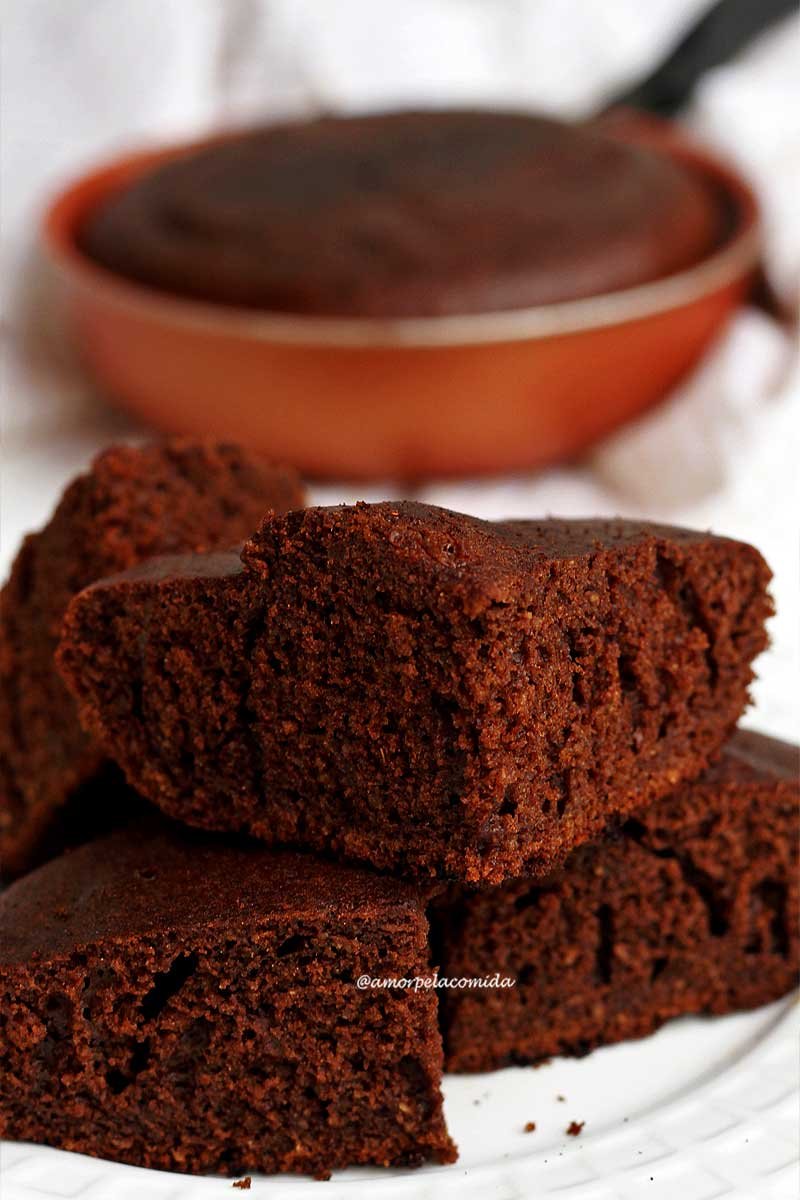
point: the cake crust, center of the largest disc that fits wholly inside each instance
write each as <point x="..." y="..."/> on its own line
<point x="419" y="689"/>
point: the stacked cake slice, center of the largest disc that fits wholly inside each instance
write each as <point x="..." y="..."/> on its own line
<point x="689" y="906"/>
<point x="132" y="503"/>
<point x="530" y="725"/>
<point x="192" y="1006"/>
<point x="419" y="690"/>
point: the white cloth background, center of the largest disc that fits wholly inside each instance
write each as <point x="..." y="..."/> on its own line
<point x="83" y="80"/>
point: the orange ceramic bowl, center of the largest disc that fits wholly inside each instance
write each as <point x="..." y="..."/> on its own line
<point x="409" y="398"/>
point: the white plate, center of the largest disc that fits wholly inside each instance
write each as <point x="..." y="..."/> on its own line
<point x="705" y="1109"/>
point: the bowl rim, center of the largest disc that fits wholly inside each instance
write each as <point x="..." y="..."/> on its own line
<point x="733" y="260"/>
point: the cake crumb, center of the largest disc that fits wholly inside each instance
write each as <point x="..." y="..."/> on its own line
<point x="529" y="1126"/>
<point x="574" y="1128"/>
<point x="244" y="1184"/>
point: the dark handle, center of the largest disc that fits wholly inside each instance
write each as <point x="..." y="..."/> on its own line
<point x="724" y="30"/>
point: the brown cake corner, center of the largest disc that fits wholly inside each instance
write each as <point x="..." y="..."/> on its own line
<point x="133" y="502"/>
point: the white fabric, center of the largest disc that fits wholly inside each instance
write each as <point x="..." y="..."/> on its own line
<point x="83" y="80"/>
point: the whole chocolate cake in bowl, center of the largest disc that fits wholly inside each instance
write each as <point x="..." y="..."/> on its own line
<point x="405" y="294"/>
<point x="411" y="214"/>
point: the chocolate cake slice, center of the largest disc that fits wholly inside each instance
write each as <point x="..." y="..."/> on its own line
<point x="192" y="1006"/>
<point x="131" y="503"/>
<point x="418" y="689"/>
<point x="690" y="906"/>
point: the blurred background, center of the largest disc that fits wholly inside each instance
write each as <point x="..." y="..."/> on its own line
<point x="82" y="82"/>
